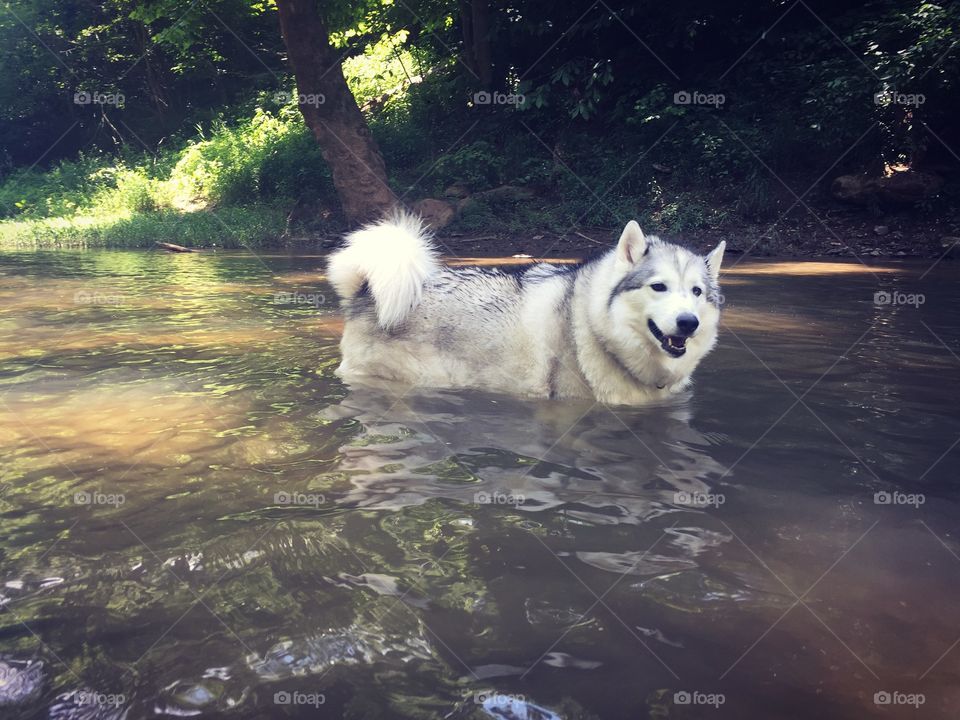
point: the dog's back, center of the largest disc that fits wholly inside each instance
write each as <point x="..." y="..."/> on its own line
<point x="410" y="318"/>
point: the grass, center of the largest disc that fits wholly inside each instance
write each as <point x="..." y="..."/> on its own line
<point x="228" y="228"/>
<point x="231" y="186"/>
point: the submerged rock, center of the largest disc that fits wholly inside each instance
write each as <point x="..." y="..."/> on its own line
<point x="87" y="704"/>
<point x="20" y="680"/>
<point x="312" y="655"/>
<point x="189" y="699"/>
<point x="510" y="707"/>
<point x="951" y="246"/>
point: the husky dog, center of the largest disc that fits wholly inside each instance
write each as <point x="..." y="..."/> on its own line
<point x="627" y="327"/>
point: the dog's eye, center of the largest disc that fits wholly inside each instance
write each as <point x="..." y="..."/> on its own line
<point x="697" y="292"/>
<point x="659" y="287"/>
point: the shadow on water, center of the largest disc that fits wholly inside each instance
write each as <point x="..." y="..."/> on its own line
<point x="200" y="519"/>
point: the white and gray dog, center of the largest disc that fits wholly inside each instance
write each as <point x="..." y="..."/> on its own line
<point x="627" y="327"/>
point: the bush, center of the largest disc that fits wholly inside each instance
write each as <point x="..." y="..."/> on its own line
<point x="269" y="156"/>
<point x="250" y="171"/>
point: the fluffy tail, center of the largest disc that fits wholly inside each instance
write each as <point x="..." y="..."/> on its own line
<point x="393" y="258"/>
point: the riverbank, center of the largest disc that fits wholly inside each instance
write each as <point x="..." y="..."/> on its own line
<point x="843" y="236"/>
<point x="260" y="181"/>
<point x="231" y="227"/>
<point x="832" y="233"/>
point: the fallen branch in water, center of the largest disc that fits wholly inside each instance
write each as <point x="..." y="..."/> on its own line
<point x="595" y="242"/>
<point x="170" y="247"/>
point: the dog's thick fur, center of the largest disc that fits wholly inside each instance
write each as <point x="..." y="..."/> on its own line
<point x="616" y="328"/>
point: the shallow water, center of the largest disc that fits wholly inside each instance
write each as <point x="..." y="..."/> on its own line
<point x="198" y="518"/>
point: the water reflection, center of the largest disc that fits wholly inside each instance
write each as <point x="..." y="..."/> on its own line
<point x="199" y="519"/>
<point x="599" y="465"/>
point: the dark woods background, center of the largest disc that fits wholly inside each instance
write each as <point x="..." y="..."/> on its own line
<point x="687" y="114"/>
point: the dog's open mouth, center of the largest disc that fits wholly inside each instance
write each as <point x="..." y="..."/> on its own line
<point x="674" y="345"/>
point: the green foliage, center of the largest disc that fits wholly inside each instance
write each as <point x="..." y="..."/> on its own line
<point x="599" y="136"/>
<point x="476" y="164"/>
<point x="231" y="186"/>
<point x="381" y="73"/>
<point x="268" y="156"/>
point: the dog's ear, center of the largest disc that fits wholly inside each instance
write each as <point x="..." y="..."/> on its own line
<point x="632" y="244"/>
<point x="714" y="260"/>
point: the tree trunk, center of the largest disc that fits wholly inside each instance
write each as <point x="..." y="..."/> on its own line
<point x="331" y="112"/>
<point x="481" y="42"/>
<point x="475" y="28"/>
<point x="151" y="74"/>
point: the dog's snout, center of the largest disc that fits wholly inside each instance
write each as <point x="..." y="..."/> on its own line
<point x="687" y="323"/>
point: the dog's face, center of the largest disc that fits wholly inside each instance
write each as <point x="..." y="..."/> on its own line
<point x="667" y="297"/>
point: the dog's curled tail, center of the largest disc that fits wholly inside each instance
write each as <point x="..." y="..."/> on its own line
<point x="393" y="258"/>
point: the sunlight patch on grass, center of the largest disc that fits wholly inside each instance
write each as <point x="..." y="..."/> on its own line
<point x="229" y="227"/>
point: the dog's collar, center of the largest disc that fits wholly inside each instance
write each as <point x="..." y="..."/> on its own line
<point x="615" y="359"/>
